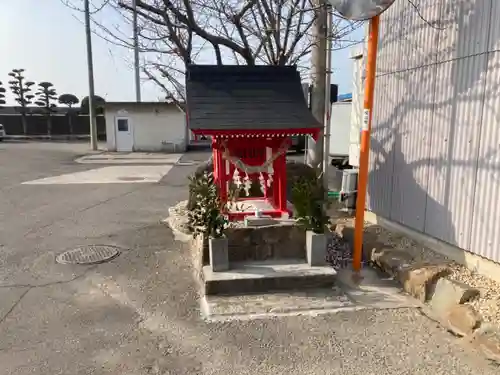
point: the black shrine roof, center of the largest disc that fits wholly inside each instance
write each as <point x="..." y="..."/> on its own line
<point x="242" y="97"/>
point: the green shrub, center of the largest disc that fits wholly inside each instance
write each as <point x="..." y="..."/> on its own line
<point x="308" y="198"/>
<point x="206" y="215"/>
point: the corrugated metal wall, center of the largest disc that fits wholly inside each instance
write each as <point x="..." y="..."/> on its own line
<point x="435" y="151"/>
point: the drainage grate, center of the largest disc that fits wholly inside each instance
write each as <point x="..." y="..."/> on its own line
<point x="91" y="254"/>
<point x="131" y="178"/>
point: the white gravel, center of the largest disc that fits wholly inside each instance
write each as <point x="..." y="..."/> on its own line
<point x="488" y="302"/>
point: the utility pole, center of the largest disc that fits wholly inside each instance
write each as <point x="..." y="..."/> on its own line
<point x="136" y="53"/>
<point x="314" y="155"/>
<point x="328" y="91"/>
<point x="364" y="152"/>
<point x="362" y="10"/>
<point x="90" y="70"/>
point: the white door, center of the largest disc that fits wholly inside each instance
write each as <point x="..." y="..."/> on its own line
<point x="124" y="134"/>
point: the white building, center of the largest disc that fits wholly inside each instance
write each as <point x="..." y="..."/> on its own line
<point x="145" y="126"/>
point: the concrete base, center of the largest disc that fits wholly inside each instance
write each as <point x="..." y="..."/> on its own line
<point x="316" y="248"/>
<point x="368" y="291"/>
<point x="372" y="288"/>
<point x="268" y="305"/>
<point x="254" y="221"/>
<point x="218" y="251"/>
<point x="251" y="205"/>
<point x="259" y="277"/>
<point x="262" y="243"/>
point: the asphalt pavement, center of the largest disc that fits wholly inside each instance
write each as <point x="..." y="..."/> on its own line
<point x="139" y="313"/>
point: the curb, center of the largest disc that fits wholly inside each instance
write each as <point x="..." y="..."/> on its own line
<point x="46" y="137"/>
<point x="444" y="299"/>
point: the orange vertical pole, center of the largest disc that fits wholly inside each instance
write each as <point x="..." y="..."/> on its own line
<point x="371" y="65"/>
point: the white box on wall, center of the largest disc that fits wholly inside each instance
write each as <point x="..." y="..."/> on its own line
<point x="357" y="104"/>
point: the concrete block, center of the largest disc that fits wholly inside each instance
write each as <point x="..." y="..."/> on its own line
<point x="254" y="221"/>
<point x="448" y="293"/>
<point x="419" y="279"/>
<point x="316" y="247"/>
<point x="487" y="340"/>
<point x="462" y="320"/>
<point x="266" y="243"/>
<point x="218" y="250"/>
<point x="390" y="260"/>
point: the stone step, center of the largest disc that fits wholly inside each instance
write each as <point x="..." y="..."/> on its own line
<point x="266" y="276"/>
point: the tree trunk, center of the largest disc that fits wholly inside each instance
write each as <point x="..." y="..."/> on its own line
<point x="70" y="123"/>
<point x="49" y="125"/>
<point x="318" y="82"/>
<point x="24" y="122"/>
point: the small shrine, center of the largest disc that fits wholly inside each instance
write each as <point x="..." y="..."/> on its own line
<point x="250" y="113"/>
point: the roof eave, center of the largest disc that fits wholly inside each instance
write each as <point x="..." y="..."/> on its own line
<point x="261" y="133"/>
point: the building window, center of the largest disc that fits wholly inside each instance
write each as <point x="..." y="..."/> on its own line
<point x="122" y="125"/>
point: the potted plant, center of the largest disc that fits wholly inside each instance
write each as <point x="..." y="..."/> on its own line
<point x="308" y="198"/>
<point x="207" y="219"/>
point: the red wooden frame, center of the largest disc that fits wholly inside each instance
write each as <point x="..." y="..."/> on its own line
<point x="314" y="132"/>
<point x="254" y="139"/>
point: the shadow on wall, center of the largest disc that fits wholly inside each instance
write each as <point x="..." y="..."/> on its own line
<point x="432" y="139"/>
<point x="412" y="191"/>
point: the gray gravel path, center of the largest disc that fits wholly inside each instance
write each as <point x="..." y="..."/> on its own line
<point x="139" y="313"/>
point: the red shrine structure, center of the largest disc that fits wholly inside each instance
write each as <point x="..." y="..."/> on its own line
<point x="250" y="113"/>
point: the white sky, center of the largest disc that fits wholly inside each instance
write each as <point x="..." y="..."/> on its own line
<point x="49" y="42"/>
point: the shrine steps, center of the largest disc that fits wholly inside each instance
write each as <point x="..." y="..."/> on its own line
<point x="267" y="276"/>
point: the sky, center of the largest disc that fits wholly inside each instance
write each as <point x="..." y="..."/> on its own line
<point x="49" y="43"/>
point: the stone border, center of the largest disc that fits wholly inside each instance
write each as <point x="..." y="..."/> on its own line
<point x="473" y="262"/>
<point x="177" y="221"/>
<point x="444" y="299"/>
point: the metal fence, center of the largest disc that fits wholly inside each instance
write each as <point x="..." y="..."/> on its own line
<point x="37" y="125"/>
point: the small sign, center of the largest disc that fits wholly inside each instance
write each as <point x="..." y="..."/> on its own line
<point x="366" y="119"/>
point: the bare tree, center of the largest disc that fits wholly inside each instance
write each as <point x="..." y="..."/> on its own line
<point x="176" y="33"/>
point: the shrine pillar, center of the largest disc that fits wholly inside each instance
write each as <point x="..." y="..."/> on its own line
<point x="282" y="183"/>
<point x="220" y="170"/>
<point x="279" y="185"/>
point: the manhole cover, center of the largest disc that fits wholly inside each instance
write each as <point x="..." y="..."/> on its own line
<point x="92" y="254"/>
<point x="131" y="178"/>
